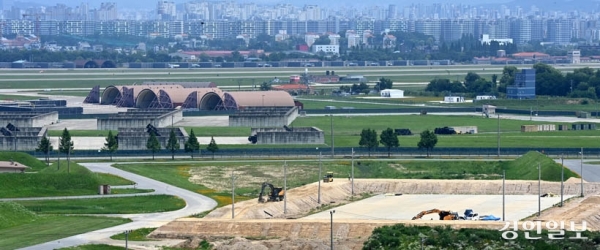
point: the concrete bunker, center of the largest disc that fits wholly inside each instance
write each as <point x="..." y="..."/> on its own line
<point x="29" y="119"/>
<point x="14" y="138"/>
<point x="136" y="138"/>
<point x="264" y="117"/>
<point x="140" y="118"/>
<point x="286" y="135"/>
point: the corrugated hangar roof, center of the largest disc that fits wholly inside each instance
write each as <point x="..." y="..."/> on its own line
<point x="236" y="100"/>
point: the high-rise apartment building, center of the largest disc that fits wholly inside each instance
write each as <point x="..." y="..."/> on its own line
<point x="392" y="12"/>
<point x="559" y="31"/>
<point x="107" y="11"/>
<point x="520" y="30"/>
<point x="166" y="10"/>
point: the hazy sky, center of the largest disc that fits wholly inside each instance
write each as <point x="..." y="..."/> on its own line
<point x="149" y="4"/>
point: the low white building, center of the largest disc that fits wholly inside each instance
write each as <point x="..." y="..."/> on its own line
<point x="485" y="97"/>
<point x="485" y="38"/>
<point x="392" y="93"/>
<point x="328" y="49"/>
<point x="454" y="99"/>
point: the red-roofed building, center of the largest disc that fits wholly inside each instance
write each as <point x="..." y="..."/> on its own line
<point x="530" y="55"/>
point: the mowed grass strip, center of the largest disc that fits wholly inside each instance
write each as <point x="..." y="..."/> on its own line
<point x="52" y="227"/>
<point x="82" y="133"/>
<point x="110" y="205"/>
<point x="135" y="235"/>
<point x="177" y="175"/>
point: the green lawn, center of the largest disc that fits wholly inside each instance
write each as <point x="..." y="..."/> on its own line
<point x="130" y="191"/>
<point x="119" y="205"/>
<point x="176" y="175"/>
<point x="135" y="235"/>
<point x="67" y="93"/>
<point x="219" y="131"/>
<point x="347" y="131"/>
<point x="53" y="180"/>
<point x="16" y="98"/>
<point x="51" y="227"/>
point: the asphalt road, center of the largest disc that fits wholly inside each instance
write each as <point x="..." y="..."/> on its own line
<point x="591" y="172"/>
<point x="196" y="203"/>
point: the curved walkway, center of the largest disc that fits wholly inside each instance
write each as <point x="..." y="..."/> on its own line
<point x="196" y="203"/>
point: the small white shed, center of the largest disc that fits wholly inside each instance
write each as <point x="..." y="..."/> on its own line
<point x="392" y="93"/>
<point x="454" y="99"/>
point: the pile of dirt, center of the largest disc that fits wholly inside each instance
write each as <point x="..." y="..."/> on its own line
<point x="576" y="210"/>
<point x="304" y="200"/>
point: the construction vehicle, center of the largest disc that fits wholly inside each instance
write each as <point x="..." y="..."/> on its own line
<point x="444" y="215"/>
<point x="328" y="177"/>
<point x="469" y="215"/>
<point x="275" y="194"/>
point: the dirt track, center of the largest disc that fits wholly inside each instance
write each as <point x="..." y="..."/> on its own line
<point x="253" y="229"/>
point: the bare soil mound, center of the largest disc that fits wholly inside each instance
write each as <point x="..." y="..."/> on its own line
<point x="304" y="200"/>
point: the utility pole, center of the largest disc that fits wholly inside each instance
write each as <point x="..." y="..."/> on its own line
<point x="332" y="140"/>
<point x="331" y="213"/>
<point x="320" y="177"/>
<point x="232" y="195"/>
<point x="352" y="180"/>
<point x="285" y="187"/>
<point x="539" y="189"/>
<point x="562" y="178"/>
<point x="503" y="195"/>
<point x="127" y="238"/>
<point x="581" y="171"/>
<point x="498" y="139"/>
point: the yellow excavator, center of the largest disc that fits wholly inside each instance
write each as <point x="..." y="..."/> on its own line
<point x="444" y="215"/>
<point x="328" y="177"/>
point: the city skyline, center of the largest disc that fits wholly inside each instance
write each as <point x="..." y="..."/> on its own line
<point x="554" y="5"/>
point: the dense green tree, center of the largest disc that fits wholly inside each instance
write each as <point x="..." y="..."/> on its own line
<point x="192" y="145"/>
<point x="111" y="145"/>
<point x="153" y="144"/>
<point x="212" y="147"/>
<point x="65" y="146"/>
<point x="507" y="78"/>
<point x="265" y="86"/>
<point x="383" y="84"/>
<point x="172" y="144"/>
<point x="428" y="141"/>
<point x="549" y="81"/>
<point x="45" y="147"/>
<point x="389" y="139"/>
<point x="322" y="40"/>
<point x="368" y="139"/>
<point x="444" y="85"/>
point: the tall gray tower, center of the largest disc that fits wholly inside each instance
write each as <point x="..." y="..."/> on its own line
<point x="392" y="11"/>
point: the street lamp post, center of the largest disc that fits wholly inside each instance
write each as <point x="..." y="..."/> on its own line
<point x="319" y="191"/>
<point x="582" y="172"/>
<point x="539" y="189"/>
<point x="503" y="195"/>
<point x="562" y="178"/>
<point x="232" y="195"/>
<point x="331" y="213"/>
<point x="285" y="187"/>
<point x="332" y="140"/>
<point x="498" y="139"/>
<point x="352" y="180"/>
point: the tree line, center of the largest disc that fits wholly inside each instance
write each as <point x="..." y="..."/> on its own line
<point x="389" y="139"/>
<point x="111" y="145"/>
<point x="581" y="83"/>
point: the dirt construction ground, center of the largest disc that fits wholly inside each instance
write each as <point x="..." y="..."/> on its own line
<point x="302" y="227"/>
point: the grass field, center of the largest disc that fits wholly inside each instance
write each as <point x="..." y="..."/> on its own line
<point x="347" y="131"/>
<point x="119" y="205"/>
<point x="66" y="93"/>
<point x="52" y="227"/>
<point x="130" y="191"/>
<point x="82" y="133"/>
<point x="44" y="181"/>
<point x="214" y="176"/>
<point x="135" y="235"/>
<point x="15" y="98"/>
